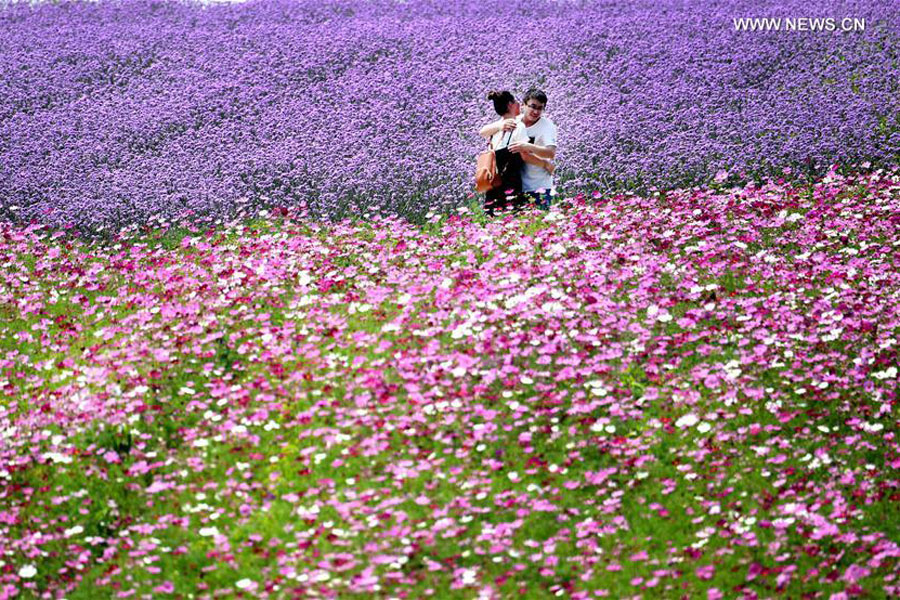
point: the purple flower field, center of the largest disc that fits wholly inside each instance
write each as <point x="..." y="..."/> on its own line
<point x="113" y="111"/>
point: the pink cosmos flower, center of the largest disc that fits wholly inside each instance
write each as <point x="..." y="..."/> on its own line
<point x="705" y="572"/>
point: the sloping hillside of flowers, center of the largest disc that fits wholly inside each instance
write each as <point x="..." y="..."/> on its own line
<point x="690" y="394"/>
<point x="688" y="390"/>
<point x="114" y="111"/>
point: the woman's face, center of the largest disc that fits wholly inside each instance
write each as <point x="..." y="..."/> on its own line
<point x="515" y="108"/>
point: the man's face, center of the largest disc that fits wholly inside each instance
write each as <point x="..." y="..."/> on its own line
<point x="533" y="110"/>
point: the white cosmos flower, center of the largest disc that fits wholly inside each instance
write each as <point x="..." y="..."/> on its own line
<point x="552" y="307"/>
<point x="556" y="249"/>
<point x="889" y="373"/>
<point x="27" y="572"/>
<point x="688" y="420"/>
<point x="73" y="531"/>
<point x="58" y="458"/>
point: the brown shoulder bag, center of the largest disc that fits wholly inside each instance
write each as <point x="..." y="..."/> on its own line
<point x="486" y="177"/>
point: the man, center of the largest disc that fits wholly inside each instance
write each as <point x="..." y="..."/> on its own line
<point x="537" y="180"/>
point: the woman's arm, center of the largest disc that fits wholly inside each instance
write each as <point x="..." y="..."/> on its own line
<point x="538" y="161"/>
<point x="502" y="125"/>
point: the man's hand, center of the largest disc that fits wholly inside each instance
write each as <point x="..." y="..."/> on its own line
<point x="508" y="125"/>
<point x="517" y="147"/>
<point x="539" y="151"/>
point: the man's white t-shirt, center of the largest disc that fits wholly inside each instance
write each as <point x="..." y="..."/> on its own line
<point x="502" y="139"/>
<point x="542" y="133"/>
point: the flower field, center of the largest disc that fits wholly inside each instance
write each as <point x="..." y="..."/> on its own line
<point x="685" y="394"/>
<point x="258" y="340"/>
<point x="114" y="111"/>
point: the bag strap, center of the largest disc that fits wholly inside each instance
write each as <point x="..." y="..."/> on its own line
<point x="506" y="166"/>
<point x="491" y="139"/>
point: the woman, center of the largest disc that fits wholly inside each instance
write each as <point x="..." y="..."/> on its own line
<point x="502" y="133"/>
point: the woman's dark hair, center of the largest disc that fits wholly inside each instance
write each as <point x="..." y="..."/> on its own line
<point x="501" y="100"/>
<point x="536" y="94"/>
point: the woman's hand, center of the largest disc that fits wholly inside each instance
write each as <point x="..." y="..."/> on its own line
<point x="497" y="126"/>
<point x="548" y="165"/>
<point x="544" y="163"/>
